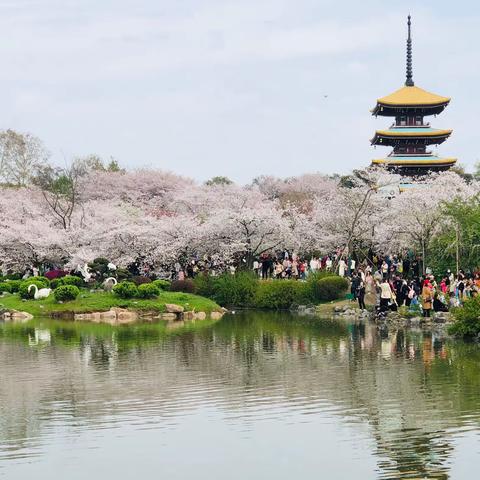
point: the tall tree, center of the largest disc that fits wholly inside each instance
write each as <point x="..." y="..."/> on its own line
<point x="20" y="155"/>
<point x="61" y="190"/>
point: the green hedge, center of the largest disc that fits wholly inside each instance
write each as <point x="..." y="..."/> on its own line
<point x="467" y="319"/>
<point x="126" y="290"/>
<point x="5" y="287"/>
<point x="328" y="288"/>
<point x="162" y="284"/>
<point x="14" y="285"/>
<point x="148" y="290"/>
<point x="122" y="274"/>
<point x="11" y="276"/>
<point x="281" y="294"/>
<point x="68" y="280"/>
<point x="65" y="293"/>
<point x="246" y="290"/>
<point x="238" y="290"/>
<point x="319" y="274"/>
<point x="205" y="285"/>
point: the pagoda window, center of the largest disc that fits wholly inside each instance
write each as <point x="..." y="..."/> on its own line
<point x="418" y="120"/>
<point x="403" y="121"/>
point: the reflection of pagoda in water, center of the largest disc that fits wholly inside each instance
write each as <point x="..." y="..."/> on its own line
<point x="410" y="136"/>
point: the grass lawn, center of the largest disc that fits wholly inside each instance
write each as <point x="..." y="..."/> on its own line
<point x="102" y="301"/>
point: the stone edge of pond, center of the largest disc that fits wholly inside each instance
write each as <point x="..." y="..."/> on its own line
<point x="347" y="310"/>
<point x="119" y="316"/>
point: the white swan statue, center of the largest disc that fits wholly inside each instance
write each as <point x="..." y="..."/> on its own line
<point x="85" y="272"/>
<point x="39" y="294"/>
<point x="109" y="283"/>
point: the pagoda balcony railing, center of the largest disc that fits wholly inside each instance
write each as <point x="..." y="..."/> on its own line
<point x="423" y="125"/>
<point x="410" y="154"/>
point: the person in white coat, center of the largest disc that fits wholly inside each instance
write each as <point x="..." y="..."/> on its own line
<point x="342" y="266"/>
<point x="386" y="295"/>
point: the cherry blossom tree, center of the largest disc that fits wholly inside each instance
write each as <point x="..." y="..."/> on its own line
<point x="27" y="236"/>
<point x="155" y="218"/>
<point x="413" y="218"/>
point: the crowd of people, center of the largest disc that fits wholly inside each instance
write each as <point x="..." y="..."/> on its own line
<point x="387" y="290"/>
<point x="285" y="265"/>
<point x="385" y="283"/>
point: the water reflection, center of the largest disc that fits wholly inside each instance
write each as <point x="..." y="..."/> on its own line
<point x="405" y="396"/>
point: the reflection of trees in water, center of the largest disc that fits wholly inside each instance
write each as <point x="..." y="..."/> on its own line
<point x="415" y="454"/>
<point x="417" y="400"/>
<point x="408" y="386"/>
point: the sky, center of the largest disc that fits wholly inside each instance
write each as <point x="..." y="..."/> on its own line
<point x="236" y="88"/>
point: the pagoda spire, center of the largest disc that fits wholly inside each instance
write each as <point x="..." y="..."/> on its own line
<point x="409" y="80"/>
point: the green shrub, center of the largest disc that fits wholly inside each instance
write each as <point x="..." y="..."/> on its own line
<point x="65" y="293"/>
<point x="148" y="290"/>
<point x="126" y="290"/>
<point x="319" y="274"/>
<point x="40" y="282"/>
<point x="205" y="285"/>
<point x="55" y="283"/>
<point x="68" y="280"/>
<point x="140" y="280"/>
<point x="186" y="286"/>
<point x="162" y="284"/>
<point x="467" y="319"/>
<point x="100" y="261"/>
<point x="122" y="274"/>
<point x="14" y="285"/>
<point x="5" y="287"/>
<point x="281" y="294"/>
<point x="72" y="280"/>
<point x="12" y="276"/>
<point x="237" y="290"/>
<point x="99" y="266"/>
<point x="328" y="288"/>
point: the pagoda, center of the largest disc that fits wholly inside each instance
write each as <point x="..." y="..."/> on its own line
<point x="410" y="136"/>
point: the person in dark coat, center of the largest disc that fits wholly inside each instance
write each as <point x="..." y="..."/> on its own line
<point x="402" y="291"/>
<point x="438" y="305"/>
<point x="356" y="280"/>
<point x="406" y="267"/>
<point x="416" y="268"/>
<point x="361" y="295"/>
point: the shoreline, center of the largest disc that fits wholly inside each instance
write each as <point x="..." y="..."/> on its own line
<point x="115" y="311"/>
<point x="102" y="307"/>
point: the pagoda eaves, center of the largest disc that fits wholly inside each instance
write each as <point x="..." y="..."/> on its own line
<point x="410" y="100"/>
<point x="405" y="135"/>
<point x="410" y="135"/>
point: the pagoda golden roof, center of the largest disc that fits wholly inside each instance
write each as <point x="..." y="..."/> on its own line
<point x="413" y="132"/>
<point x="412" y="96"/>
<point x="414" y="161"/>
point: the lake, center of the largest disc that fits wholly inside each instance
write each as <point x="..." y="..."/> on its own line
<point x="254" y="395"/>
